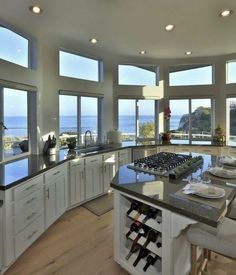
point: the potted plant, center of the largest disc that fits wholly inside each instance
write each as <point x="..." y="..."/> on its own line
<point x="71" y="142"/>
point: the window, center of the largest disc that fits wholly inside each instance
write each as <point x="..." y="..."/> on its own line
<point x="77" y="114"/>
<point x="231" y="72"/>
<point x="190" y="75"/>
<point x="17" y="122"/>
<point x="77" y="66"/>
<point x="191" y="120"/>
<point x="137" y="75"/>
<point x="137" y="119"/>
<point x="231" y="121"/>
<point x="17" y="48"/>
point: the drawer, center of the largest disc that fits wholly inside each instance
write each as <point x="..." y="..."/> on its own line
<point x="23" y="219"/>
<point x="93" y="160"/>
<point x="27" y="188"/>
<point x="29" y="201"/>
<point x="25" y="238"/>
<point x="56" y="172"/>
<point x="77" y="162"/>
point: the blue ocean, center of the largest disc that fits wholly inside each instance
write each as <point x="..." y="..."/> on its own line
<point x="17" y="125"/>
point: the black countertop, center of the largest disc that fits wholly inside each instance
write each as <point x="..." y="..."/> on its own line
<point x="161" y="191"/>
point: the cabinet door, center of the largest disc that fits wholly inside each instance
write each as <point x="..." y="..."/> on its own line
<point x="109" y="169"/>
<point x="61" y="195"/>
<point x="94" y="176"/>
<point x="123" y="156"/>
<point x="50" y="203"/>
<point x="77" y="183"/>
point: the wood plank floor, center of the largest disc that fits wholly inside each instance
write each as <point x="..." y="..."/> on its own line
<point x="80" y="243"/>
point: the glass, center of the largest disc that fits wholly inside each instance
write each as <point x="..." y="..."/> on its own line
<point x="127" y="119"/>
<point x="231" y="72"/>
<point x="179" y="120"/>
<point x="16" y="121"/>
<point x="67" y="118"/>
<point x="146" y="118"/>
<point x="13" y="47"/>
<point x="137" y="75"/>
<point x="231" y="122"/>
<point x="89" y="117"/>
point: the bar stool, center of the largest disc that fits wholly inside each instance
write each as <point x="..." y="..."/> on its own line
<point x="221" y="240"/>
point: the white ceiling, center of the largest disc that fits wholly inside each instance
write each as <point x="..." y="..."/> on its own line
<point x="124" y="27"/>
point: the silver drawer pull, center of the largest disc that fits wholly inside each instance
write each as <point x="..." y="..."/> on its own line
<point x="56" y="173"/>
<point x="29" y="187"/>
<point x="32" y="234"/>
<point x="31" y="216"/>
<point x="29" y="201"/>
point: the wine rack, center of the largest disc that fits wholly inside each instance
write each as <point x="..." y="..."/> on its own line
<point x="151" y="249"/>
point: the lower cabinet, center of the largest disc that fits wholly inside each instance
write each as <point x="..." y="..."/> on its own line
<point x="55" y="193"/>
<point x="94" y="176"/>
<point x="109" y="169"/>
<point x="76" y="182"/>
<point x="123" y="157"/>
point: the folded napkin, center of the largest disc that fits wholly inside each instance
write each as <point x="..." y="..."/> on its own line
<point x="224" y="173"/>
<point x="194" y="188"/>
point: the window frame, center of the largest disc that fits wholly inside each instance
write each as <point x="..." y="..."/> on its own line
<point x="32" y="45"/>
<point x="31" y="118"/>
<point x="191" y="140"/>
<point x="227" y="69"/>
<point x="157" y="73"/>
<point x="156" y="115"/>
<point x="228" y="97"/>
<point x="184" y="67"/>
<point x="100" y="65"/>
<point x="78" y="95"/>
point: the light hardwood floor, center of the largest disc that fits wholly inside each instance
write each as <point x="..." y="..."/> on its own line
<point x="80" y="243"/>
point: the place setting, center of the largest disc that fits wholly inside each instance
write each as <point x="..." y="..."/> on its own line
<point x="225" y="168"/>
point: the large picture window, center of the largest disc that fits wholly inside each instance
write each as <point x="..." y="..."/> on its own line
<point x="17" y="122"/>
<point x="137" y="75"/>
<point x="191" y="120"/>
<point x="78" y="114"/>
<point x="191" y="75"/>
<point x="81" y="67"/>
<point x="17" y="48"/>
<point x="137" y="119"/>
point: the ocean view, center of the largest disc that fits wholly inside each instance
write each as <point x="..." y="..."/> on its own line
<point x="17" y="125"/>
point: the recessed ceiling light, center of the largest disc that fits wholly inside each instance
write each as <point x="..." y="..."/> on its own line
<point x="188" y="53"/>
<point x="169" y="27"/>
<point x="36" y="9"/>
<point x="225" y="13"/>
<point x="93" y="40"/>
<point x="143" y="52"/>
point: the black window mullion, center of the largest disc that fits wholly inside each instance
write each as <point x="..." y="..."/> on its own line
<point x="1" y="120"/>
<point x="79" y="130"/>
<point x="136" y="119"/>
<point x="190" y="120"/>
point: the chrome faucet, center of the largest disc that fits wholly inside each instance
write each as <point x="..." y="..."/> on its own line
<point x="85" y="137"/>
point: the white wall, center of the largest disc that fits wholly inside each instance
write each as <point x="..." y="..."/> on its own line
<point x="48" y="82"/>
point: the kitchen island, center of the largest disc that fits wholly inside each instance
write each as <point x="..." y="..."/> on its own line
<point x="134" y="190"/>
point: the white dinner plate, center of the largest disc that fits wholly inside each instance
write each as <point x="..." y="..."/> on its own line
<point x="211" y="192"/>
<point x="229" y="160"/>
<point x="222" y="173"/>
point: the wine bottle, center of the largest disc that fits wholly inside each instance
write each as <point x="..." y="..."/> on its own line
<point x="151" y="237"/>
<point x="134" y="248"/>
<point x="150" y="261"/>
<point x="143" y="208"/>
<point x="159" y="242"/>
<point x="135" y="226"/>
<point x="134" y="206"/>
<point x="150" y="214"/>
<point x="143" y="252"/>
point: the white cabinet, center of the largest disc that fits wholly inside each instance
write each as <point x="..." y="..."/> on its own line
<point x="109" y="169"/>
<point x="23" y="215"/>
<point x="55" y="193"/>
<point x="94" y="176"/>
<point x="168" y="148"/>
<point x="1" y="233"/>
<point x="76" y="182"/>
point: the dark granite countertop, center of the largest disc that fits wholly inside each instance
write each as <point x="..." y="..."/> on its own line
<point x="19" y="170"/>
<point x="161" y="191"/>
